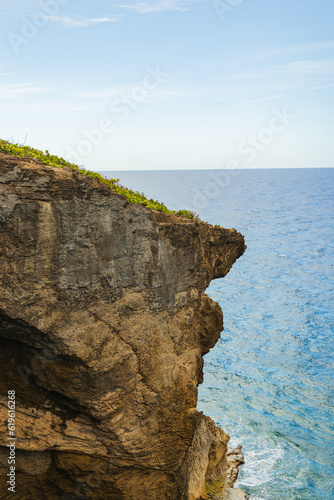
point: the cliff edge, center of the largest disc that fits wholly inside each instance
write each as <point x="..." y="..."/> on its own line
<point x="103" y="326"/>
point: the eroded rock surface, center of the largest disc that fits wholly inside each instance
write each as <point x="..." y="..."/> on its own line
<point x="103" y="326"/>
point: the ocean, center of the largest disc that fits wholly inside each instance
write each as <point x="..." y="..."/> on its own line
<point x="269" y="380"/>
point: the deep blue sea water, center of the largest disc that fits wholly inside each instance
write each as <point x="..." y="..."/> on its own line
<point x="269" y="380"/>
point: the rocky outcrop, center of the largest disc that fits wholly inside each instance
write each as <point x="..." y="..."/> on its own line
<point x="103" y="326"/>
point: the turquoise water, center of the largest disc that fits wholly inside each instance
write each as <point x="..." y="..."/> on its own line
<point x="269" y="380"/>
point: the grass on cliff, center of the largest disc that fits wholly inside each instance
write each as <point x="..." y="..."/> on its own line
<point x="56" y="161"/>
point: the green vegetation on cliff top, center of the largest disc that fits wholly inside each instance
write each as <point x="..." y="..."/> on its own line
<point x="55" y="161"/>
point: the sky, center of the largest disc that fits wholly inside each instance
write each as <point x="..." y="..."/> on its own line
<point x="170" y="84"/>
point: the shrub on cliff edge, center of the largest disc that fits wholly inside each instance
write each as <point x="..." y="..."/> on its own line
<point x="57" y="162"/>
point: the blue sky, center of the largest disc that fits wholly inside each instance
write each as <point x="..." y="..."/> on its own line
<point x="170" y="84"/>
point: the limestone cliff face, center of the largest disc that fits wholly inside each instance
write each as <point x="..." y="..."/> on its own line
<point x="103" y="326"/>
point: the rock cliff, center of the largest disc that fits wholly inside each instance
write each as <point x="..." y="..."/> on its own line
<point x="103" y="326"/>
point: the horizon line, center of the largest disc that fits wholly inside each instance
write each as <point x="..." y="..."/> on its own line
<point x="210" y="169"/>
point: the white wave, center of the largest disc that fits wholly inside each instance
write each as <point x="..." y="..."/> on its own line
<point x="259" y="464"/>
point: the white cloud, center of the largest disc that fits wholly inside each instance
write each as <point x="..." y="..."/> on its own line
<point x="149" y="6"/>
<point x="263" y="99"/>
<point x="82" y="23"/>
<point x="16" y="9"/>
<point x="293" y="49"/>
<point x="17" y="90"/>
<point x="152" y="95"/>
<point x="320" y="87"/>
<point x="311" y="67"/>
<point x="307" y="67"/>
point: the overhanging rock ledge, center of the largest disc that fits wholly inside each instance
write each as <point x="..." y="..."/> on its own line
<point x="103" y="326"/>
